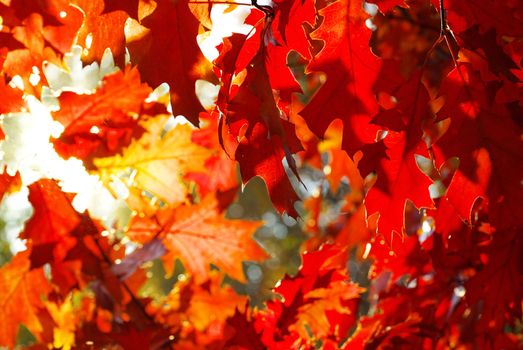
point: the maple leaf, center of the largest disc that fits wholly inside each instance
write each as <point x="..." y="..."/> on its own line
<point x="102" y="123"/>
<point x="62" y="35"/>
<point x="157" y="161"/>
<point x="64" y="317"/>
<point x="151" y="250"/>
<point x="351" y="70"/>
<point x="453" y="282"/>
<point x="321" y="305"/>
<point x="168" y="52"/>
<point x="201" y="235"/>
<point x="21" y="290"/>
<point x="371" y="334"/>
<point x="498" y="61"/>
<point x="289" y="22"/>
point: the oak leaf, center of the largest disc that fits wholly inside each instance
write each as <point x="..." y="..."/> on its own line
<point x="21" y="292"/>
<point x="351" y="70"/>
<point x="100" y="124"/>
<point x="100" y="31"/>
<point x="486" y="140"/>
<point x="168" y="52"/>
<point x="201" y="235"/>
<point x="52" y="223"/>
<point x="158" y="161"/>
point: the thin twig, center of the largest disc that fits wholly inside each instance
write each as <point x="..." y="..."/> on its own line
<point x="446" y="33"/>
<point x="267" y="10"/>
<point x="126" y="287"/>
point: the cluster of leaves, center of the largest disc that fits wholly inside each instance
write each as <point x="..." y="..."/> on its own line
<point x="402" y="119"/>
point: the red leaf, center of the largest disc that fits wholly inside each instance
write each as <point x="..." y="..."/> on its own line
<point x="52" y="222"/>
<point x="487" y="142"/>
<point x="129" y="6"/>
<point x="386" y="5"/>
<point x="11" y="98"/>
<point x="101" y="124"/>
<point x="399" y="177"/>
<point x="320" y="298"/>
<point x="351" y="70"/>
<point x="255" y="131"/>
<point x="9" y="183"/>
<point x="169" y="53"/>
<point x="245" y="336"/>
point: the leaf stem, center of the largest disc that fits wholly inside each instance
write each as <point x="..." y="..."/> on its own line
<point x="443" y="18"/>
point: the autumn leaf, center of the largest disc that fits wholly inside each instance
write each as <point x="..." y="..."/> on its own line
<point x="325" y="307"/>
<point x="9" y="183"/>
<point x="102" y="123"/>
<point x="317" y="303"/>
<point x="256" y="132"/>
<point x="21" y="293"/>
<point x="11" y="98"/>
<point x="217" y="163"/>
<point x="245" y="335"/>
<point x="498" y="287"/>
<point x="168" y="52"/>
<point x="201" y="235"/>
<point x="402" y="121"/>
<point x="487" y="14"/>
<point x="199" y="308"/>
<point x="350" y="70"/>
<point x="34" y="32"/>
<point x="52" y="222"/>
<point x="386" y="5"/>
<point x="158" y="161"/>
<point x="485" y="138"/>
<point x="101" y="30"/>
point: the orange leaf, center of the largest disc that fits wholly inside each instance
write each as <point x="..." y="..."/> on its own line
<point x="201" y="235"/>
<point x="100" y="31"/>
<point x="20" y="298"/>
<point x="102" y="123"/>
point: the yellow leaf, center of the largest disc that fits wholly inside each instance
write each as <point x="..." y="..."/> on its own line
<point x="64" y="317"/>
<point x="157" y="162"/>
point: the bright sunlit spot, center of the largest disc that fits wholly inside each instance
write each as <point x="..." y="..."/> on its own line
<point x="27" y="148"/>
